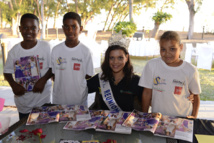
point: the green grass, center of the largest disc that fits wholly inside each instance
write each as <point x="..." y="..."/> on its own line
<point x="206" y="77"/>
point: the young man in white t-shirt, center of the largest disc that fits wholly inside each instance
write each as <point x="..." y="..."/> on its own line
<point x="168" y="81"/>
<point x="71" y="64"/>
<point x="30" y="46"/>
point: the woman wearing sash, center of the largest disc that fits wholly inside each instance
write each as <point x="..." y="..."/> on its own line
<point x="116" y="86"/>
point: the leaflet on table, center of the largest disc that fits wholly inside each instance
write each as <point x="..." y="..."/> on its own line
<point x="161" y="125"/>
<point x="76" y="141"/>
<point x="177" y="128"/>
<point x="142" y="121"/>
<point x="27" y="71"/>
<point x="113" y="123"/>
<point x="58" y="113"/>
<point x="96" y="115"/>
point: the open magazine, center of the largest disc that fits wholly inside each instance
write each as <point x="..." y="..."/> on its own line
<point x="58" y="113"/>
<point x="113" y="123"/>
<point x="161" y="125"/>
<point x="96" y="116"/>
<point x="102" y="120"/>
<point x="173" y="127"/>
<point x="27" y="71"/>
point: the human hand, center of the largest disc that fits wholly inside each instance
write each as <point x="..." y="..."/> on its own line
<point x="18" y="89"/>
<point x="191" y="117"/>
<point x="39" y="85"/>
<point x="191" y="98"/>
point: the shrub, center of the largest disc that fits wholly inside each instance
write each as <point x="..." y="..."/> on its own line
<point x="127" y="28"/>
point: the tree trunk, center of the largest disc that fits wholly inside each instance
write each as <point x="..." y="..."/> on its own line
<point x="131" y="10"/>
<point x="1" y="25"/>
<point x="104" y="28"/>
<point x="191" y="4"/>
<point x="191" y="24"/>
<point x="37" y="4"/>
<point x="56" y="15"/>
<point x="17" y="27"/>
<point x="14" y="25"/>
<point x="112" y="19"/>
<point x="155" y="30"/>
<point x="76" y="6"/>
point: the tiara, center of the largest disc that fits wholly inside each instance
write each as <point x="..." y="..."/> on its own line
<point x="119" y="39"/>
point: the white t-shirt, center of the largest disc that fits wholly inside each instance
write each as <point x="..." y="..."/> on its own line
<point x="29" y="100"/>
<point x="170" y="86"/>
<point x="70" y="66"/>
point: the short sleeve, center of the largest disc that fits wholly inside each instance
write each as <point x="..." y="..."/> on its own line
<point x="194" y="85"/>
<point x="146" y="79"/>
<point x="52" y="63"/>
<point x="89" y="64"/>
<point x="9" y="65"/>
<point x="93" y="84"/>
<point x="49" y="55"/>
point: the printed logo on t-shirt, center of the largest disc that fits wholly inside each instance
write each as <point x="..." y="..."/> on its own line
<point x="157" y="80"/>
<point x="60" y="63"/>
<point x="76" y="66"/>
<point x="178" y="82"/>
<point x="41" y="65"/>
<point x="76" y="59"/>
<point x="61" y="60"/>
<point x="178" y="90"/>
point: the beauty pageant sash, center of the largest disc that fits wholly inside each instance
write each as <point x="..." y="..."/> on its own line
<point x="108" y="95"/>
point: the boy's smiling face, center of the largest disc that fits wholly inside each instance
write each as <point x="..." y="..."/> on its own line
<point x="29" y="29"/>
<point x="72" y="29"/>
<point x="170" y="51"/>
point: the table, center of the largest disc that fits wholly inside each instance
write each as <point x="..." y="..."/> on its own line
<point x="55" y="132"/>
<point x="144" y="47"/>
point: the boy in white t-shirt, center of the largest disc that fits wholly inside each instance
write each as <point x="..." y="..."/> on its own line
<point x="71" y="64"/>
<point x="168" y="81"/>
<point x="30" y="46"/>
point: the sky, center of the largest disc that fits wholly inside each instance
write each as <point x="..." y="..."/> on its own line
<point x="179" y="21"/>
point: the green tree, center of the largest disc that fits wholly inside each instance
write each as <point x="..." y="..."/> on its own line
<point x="118" y="10"/>
<point x="159" y="18"/>
<point x="127" y="28"/>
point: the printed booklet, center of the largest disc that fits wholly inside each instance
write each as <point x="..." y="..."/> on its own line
<point x="27" y="71"/>
<point x="113" y="123"/>
<point x="102" y="120"/>
<point x="177" y="128"/>
<point x="58" y="113"/>
<point x="161" y="125"/>
<point x="96" y="116"/>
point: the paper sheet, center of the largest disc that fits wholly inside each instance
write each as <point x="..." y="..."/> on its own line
<point x="205" y="138"/>
<point x="1" y="103"/>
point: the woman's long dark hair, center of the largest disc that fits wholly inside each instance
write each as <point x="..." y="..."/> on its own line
<point x="107" y="71"/>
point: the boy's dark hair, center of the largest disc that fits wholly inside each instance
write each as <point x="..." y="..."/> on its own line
<point x="72" y="15"/>
<point x="170" y="35"/>
<point x="29" y="15"/>
<point x="106" y="69"/>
